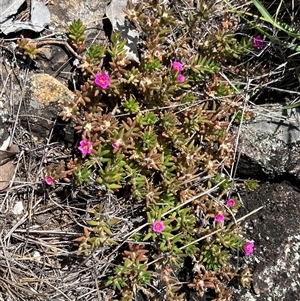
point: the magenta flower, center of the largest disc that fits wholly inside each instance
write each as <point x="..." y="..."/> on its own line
<point x="258" y="42"/>
<point x="102" y="80"/>
<point x="158" y="226"/>
<point x="115" y="145"/>
<point x="230" y="203"/>
<point x="180" y="78"/>
<point x="49" y="180"/>
<point x="85" y="147"/>
<point x="248" y="248"/>
<point x="177" y="66"/>
<point x="219" y="218"/>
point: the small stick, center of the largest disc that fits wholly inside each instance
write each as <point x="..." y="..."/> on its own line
<point x="63" y="43"/>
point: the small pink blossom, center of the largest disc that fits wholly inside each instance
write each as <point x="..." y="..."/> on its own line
<point x="158" y="226"/>
<point x="258" y="42"/>
<point x="85" y="147"/>
<point x="115" y="145"/>
<point x="177" y="66"/>
<point x="219" y="218"/>
<point x="230" y="203"/>
<point x="248" y="248"/>
<point x="49" y="180"/>
<point x="180" y="78"/>
<point x="102" y="80"/>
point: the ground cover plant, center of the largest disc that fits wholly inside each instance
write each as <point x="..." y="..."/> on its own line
<point x="147" y="135"/>
<point x="154" y="152"/>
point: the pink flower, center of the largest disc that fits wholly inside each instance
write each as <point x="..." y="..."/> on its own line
<point x="230" y="203"/>
<point x="180" y="78"/>
<point x="158" y="226"/>
<point x="248" y="247"/>
<point x="49" y="180"/>
<point x="115" y="145"/>
<point x="85" y="147"/>
<point x="177" y="66"/>
<point x="219" y="218"/>
<point x="258" y="42"/>
<point x="102" y="80"/>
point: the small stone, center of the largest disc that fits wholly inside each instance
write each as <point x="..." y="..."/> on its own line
<point x="18" y="208"/>
<point x="46" y="89"/>
<point x="37" y="256"/>
<point x="43" y="95"/>
<point x="6" y="174"/>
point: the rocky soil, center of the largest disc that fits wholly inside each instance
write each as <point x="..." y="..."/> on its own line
<point x="269" y="150"/>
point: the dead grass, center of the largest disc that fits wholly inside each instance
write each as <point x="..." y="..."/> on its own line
<point x="38" y="258"/>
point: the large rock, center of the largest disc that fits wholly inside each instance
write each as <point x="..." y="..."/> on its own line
<point x="269" y="149"/>
<point x="274" y="229"/>
<point x="90" y="12"/>
<point x="269" y="145"/>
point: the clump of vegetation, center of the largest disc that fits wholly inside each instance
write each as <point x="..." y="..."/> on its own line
<point x="158" y="134"/>
<point x="76" y="35"/>
<point x="251" y="184"/>
<point x="28" y="47"/>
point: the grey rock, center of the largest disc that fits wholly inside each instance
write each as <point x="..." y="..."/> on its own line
<point x="90" y="12"/>
<point x="282" y="124"/>
<point x="270" y="143"/>
<point x="9" y="8"/>
<point x="117" y="18"/>
<point x="40" y="17"/>
<point x="9" y="27"/>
